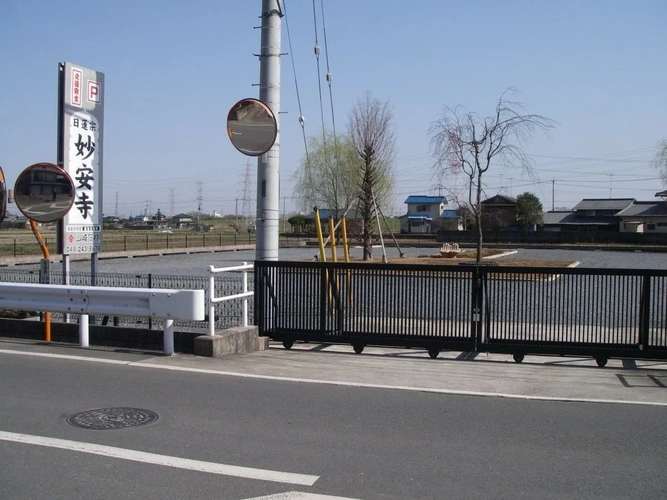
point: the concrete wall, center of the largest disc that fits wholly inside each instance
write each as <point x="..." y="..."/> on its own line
<point x="107" y="336"/>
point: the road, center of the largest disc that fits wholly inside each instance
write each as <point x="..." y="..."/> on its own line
<point x="389" y="424"/>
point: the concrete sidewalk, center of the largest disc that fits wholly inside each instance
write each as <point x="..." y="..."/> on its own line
<point x="493" y="375"/>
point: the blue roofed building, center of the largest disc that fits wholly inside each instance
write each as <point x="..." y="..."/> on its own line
<point x="428" y="214"/>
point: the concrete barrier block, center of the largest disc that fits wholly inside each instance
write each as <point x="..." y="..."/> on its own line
<point x="237" y="340"/>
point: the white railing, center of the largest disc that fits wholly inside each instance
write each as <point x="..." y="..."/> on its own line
<point x="107" y="301"/>
<point x="212" y="299"/>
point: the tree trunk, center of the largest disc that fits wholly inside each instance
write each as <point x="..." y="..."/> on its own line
<point x="478" y="218"/>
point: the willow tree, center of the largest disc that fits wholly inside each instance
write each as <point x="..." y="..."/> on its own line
<point x="660" y="161"/>
<point x="328" y="176"/>
<point x="463" y="142"/>
<point x="371" y="132"/>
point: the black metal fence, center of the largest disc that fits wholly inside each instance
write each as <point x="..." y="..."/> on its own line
<point x="227" y="314"/>
<point x="516" y="310"/>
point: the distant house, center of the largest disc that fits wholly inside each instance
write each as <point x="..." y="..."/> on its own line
<point x="427" y="214"/>
<point x="13" y="221"/>
<point x="644" y="216"/>
<point x="181" y="221"/>
<point x="592" y="215"/>
<point x="499" y="212"/>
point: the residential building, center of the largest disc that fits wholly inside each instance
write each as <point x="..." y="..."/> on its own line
<point x="181" y="221"/>
<point x="427" y="214"/>
<point x="590" y="215"/>
<point x="644" y="216"/>
<point x="499" y="212"/>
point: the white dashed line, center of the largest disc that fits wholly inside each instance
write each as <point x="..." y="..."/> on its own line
<point x="164" y="460"/>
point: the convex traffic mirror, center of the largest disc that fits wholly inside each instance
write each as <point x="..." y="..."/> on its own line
<point x="252" y="127"/>
<point x="3" y="196"/>
<point x="44" y="192"/>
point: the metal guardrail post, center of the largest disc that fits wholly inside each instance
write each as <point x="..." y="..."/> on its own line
<point x="168" y="337"/>
<point x="84" y="338"/>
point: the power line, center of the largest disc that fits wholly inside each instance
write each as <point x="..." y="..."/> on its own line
<point x="302" y="119"/>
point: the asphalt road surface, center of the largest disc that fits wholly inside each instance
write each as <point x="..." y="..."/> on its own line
<point x="235" y="437"/>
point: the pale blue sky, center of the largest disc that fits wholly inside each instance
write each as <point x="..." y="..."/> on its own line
<point x="173" y="69"/>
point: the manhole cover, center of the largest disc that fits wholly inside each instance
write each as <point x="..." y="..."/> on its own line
<point x="112" y="418"/>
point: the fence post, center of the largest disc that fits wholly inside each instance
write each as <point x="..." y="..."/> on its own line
<point x="476" y="330"/>
<point x="167" y="242"/>
<point x="168" y="337"/>
<point x="645" y="312"/>
<point x="211" y="305"/>
<point x="203" y="240"/>
<point x="245" y="299"/>
<point x="14" y="247"/>
<point x="220" y="242"/>
<point x="186" y="241"/>
<point x="124" y="243"/>
<point x="146" y="242"/>
<point x="150" y="285"/>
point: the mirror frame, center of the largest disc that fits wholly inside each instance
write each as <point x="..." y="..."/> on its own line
<point x="231" y="119"/>
<point x="53" y="216"/>
<point x="3" y="196"/>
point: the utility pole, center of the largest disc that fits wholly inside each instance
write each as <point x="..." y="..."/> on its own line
<point x="116" y="211"/>
<point x="171" y="201"/>
<point x="553" y="193"/>
<point x="268" y="178"/>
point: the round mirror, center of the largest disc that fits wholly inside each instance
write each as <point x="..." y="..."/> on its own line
<point x="252" y="127"/>
<point x="3" y="196"/>
<point x="44" y="192"/>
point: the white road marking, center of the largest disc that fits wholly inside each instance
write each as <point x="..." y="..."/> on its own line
<point x="65" y="356"/>
<point x="165" y="460"/>
<point x="297" y="495"/>
<point x="141" y="364"/>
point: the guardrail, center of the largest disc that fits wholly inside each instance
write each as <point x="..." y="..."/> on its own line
<point x="107" y="301"/>
<point x="212" y="299"/>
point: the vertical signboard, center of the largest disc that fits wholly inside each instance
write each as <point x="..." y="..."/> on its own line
<point x="81" y="136"/>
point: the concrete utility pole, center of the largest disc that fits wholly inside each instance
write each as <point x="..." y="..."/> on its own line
<point x="268" y="165"/>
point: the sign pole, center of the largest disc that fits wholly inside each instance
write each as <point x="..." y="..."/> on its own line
<point x="80" y="154"/>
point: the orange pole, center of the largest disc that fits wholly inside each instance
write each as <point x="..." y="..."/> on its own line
<point x="45" y="252"/>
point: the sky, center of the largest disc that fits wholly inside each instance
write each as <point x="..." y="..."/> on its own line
<point x="173" y="69"/>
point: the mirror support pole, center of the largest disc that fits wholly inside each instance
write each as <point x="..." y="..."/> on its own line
<point x="45" y="252"/>
<point x="268" y="171"/>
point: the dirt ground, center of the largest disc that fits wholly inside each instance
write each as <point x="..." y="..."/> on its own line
<point x="468" y="256"/>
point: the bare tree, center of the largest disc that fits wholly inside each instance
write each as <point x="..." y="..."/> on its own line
<point x="660" y="160"/>
<point x="370" y="129"/>
<point x="464" y="141"/>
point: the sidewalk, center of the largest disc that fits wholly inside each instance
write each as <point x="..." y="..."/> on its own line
<point x="496" y="375"/>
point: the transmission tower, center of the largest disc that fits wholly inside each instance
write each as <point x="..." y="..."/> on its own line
<point x="199" y="200"/>
<point x="248" y="188"/>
